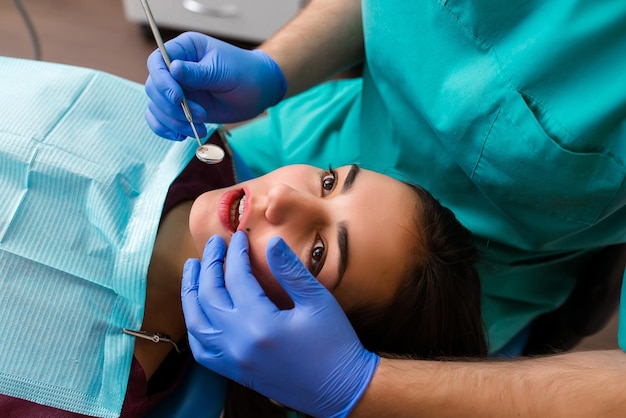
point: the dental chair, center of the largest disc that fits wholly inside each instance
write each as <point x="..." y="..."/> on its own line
<point x="593" y="302"/>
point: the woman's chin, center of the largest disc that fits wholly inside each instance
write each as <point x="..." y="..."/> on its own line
<point x="200" y="241"/>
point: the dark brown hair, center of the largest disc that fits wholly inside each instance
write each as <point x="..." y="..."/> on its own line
<point x="435" y="313"/>
<point x="436" y="310"/>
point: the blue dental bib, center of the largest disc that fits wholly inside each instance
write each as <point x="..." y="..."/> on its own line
<point x="83" y="181"/>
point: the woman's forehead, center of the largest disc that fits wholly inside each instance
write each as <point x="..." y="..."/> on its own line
<point x="382" y="239"/>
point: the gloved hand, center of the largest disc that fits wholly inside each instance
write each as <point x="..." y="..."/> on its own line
<point x="222" y="84"/>
<point x="308" y="358"/>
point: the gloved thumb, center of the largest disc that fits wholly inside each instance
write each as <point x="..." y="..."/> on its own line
<point x="198" y="76"/>
<point x="293" y="276"/>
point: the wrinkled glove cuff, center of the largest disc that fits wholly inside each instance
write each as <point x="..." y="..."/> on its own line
<point x="281" y="90"/>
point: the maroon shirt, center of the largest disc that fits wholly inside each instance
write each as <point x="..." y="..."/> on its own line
<point x="141" y="396"/>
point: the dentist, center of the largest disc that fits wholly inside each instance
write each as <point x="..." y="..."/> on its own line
<point x="511" y="114"/>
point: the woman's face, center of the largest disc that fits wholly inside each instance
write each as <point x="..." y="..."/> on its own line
<point x="353" y="228"/>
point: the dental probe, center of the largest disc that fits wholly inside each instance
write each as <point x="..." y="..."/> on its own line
<point x="208" y="153"/>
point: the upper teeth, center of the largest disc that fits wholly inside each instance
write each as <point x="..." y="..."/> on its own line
<point x="236" y="211"/>
<point x="242" y="207"/>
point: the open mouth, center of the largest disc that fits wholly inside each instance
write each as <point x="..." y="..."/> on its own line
<point x="231" y="209"/>
<point x="237" y="208"/>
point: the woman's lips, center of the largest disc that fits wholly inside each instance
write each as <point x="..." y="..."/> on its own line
<point x="227" y="202"/>
<point x="233" y="209"/>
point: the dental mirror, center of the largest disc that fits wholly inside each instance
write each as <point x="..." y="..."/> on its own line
<point x="207" y="153"/>
<point x="210" y="154"/>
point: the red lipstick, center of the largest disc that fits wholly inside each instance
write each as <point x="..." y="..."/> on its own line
<point x="225" y="206"/>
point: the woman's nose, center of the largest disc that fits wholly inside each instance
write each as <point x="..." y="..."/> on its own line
<point x="285" y="203"/>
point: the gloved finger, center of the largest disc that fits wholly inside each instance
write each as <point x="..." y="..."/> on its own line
<point x="173" y="124"/>
<point x="175" y="110"/>
<point x="244" y="289"/>
<point x="163" y="103"/>
<point x="160" y="129"/>
<point x="194" y="98"/>
<point x="292" y="274"/>
<point x="188" y="46"/>
<point x="211" y="289"/>
<point x="200" y="329"/>
<point x="195" y="318"/>
<point x="191" y="274"/>
<point x="162" y="80"/>
<point x="201" y="353"/>
<point x="193" y="75"/>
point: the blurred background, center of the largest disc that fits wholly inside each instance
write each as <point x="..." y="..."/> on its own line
<point x="111" y="36"/>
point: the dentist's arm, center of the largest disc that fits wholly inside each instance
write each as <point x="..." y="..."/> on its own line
<point x="585" y="384"/>
<point x="224" y="83"/>
<point x="325" y="38"/>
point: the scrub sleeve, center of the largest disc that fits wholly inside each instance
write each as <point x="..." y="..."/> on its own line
<point x="511" y="114"/>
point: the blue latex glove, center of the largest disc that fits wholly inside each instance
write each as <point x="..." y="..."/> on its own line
<point x="308" y="358"/>
<point x="222" y="84"/>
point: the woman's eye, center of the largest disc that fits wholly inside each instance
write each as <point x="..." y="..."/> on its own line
<point x="318" y="254"/>
<point x="329" y="178"/>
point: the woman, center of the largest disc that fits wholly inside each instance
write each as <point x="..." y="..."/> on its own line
<point x="351" y="226"/>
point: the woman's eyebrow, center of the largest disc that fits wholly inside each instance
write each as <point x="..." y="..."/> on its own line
<point x="342" y="230"/>
<point x="342" y="241"/>
<point x="350" y="177"/>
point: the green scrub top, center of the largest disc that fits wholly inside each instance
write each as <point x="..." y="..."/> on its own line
<point x="511" y="114"/>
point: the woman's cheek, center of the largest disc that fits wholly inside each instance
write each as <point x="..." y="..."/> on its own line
<point x="269" y="284"/>
<point x="204" y="222"/>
